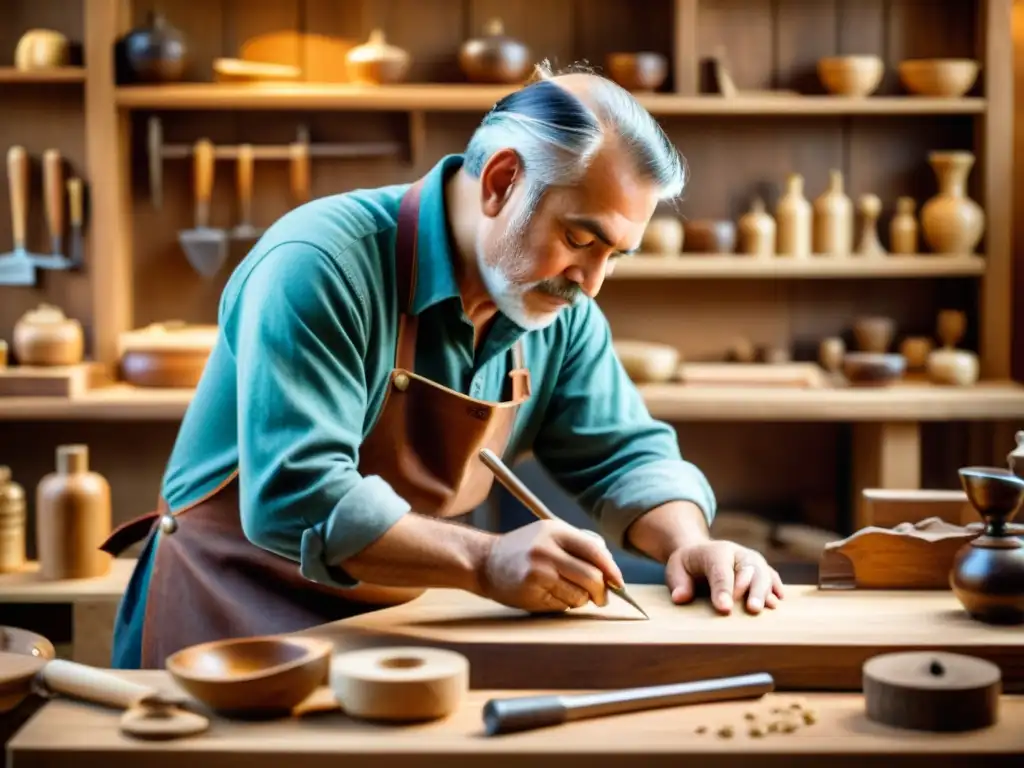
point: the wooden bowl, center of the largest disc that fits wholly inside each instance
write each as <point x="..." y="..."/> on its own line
<point x="21" y="641"/>
<point x="946" y="78"/>
<point x="255" y="675"/>
<point x="709" y="236"/>
<point x="642" y="71"/>
<point x="870" y="369"/>
<point x="851" y="75"/>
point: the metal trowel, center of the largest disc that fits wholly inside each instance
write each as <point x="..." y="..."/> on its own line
<point x="205" y="247"/>
<point x="245" y="229"/>
<point x="17" y="267"/>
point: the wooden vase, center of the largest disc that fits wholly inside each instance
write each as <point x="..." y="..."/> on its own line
<point x="757" y="230"/>
<point x="663" y="235"/>
<point x="793" y="216"/>
<point x="903" y="227"/>
<point x="833" y="219"/>
<point x="73" y="518"/>
<point x="12" y="523"/>
<point x="952" y="223"/>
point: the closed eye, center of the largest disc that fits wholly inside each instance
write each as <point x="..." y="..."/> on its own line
<point x="574" y="243"/>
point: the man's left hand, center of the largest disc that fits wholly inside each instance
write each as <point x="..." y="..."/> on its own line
<point x="731" y="571"/>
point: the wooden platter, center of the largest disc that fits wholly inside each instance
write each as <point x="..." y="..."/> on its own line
<point x="70" y="733"/>
<point x="815" y="640"/>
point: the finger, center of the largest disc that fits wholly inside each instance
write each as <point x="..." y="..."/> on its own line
<point x="586" y="547"/>
<point x="777" y="588"/>
<point x="569" y="594"/>
<point x="552" y="603"/>
<point x="743" y="580"/>
<point x="772" y="601"/>
<point x="678" y="580"/>
<point x="581" y="574"/>
<point x="719" y="569"/>
<point x="760" y="587"/>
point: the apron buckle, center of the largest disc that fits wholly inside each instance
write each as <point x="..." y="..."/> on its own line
<point x="168" y="524"/>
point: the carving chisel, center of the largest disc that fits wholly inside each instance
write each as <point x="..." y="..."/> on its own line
<point x="517" y="488"/>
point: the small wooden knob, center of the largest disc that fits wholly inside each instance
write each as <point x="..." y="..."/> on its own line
<point x="72" y="459"/>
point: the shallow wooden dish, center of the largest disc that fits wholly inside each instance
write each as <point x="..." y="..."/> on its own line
<point x="868" y="369"/>
<point x="851" y="75"/>
<point x="944" y="78"/>
<point x="26" y="643"/>
<point x="257" y="675"/>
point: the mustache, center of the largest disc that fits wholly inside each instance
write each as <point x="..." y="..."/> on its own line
<point x="560" y="288"/>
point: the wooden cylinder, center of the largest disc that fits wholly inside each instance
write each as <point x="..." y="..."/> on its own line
<point x="12" y="523"/>
<point x="73" y="517"/>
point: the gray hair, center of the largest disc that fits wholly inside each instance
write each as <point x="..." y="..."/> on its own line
<point x="556" y="135"/>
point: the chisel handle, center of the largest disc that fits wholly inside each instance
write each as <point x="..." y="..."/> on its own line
<point x="529" y="712"/>
<point x="299" y="154"/>
<point x="244" y="179"/>
<point x="17" y="179"/>
<point x="75" y="201"/>
<point x="202" y="153"/>
<point x="53" y="193"/>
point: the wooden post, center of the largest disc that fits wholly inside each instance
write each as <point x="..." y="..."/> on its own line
<point x="887" y="456"/>
<point x="685" y="55"/>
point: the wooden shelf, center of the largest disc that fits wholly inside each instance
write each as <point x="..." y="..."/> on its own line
<point x="56" y="75"/>
<point x="740" y="267"/>
<point x="462" y="97"/>
<point x="25" y="586"/>
<point x="675" y="402"/>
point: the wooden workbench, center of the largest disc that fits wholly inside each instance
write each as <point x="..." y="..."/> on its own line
<point x="68" y="733"/>
<point x="815" y="640"/>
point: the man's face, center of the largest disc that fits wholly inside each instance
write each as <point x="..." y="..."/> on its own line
<point x="535" y="266"/>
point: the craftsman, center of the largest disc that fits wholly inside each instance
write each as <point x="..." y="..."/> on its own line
<point x="373" y="342"/>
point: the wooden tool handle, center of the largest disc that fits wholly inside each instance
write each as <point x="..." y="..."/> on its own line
<point x="245" y="174"/>
<point x="300" y="172"/>
<point x="93" y="685"/>
<point x="74" y="186"/>
<point x="53" y="191"/>
<point x="203" y="179"/>
<point x="17" y="177"/>
<point x="529" y="712"/>
<point x="515" y="486"/>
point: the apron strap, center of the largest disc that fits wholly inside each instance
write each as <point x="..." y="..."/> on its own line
<point x="405" y="272"/>
<point x="519" y="374"/>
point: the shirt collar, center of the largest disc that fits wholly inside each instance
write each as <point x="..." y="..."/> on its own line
<point x="435" y="272"/>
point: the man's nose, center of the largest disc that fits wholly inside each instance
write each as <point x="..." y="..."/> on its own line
<point x="590" y="276"/>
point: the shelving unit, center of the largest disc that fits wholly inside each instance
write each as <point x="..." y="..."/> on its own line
<point x="736" y="147"/>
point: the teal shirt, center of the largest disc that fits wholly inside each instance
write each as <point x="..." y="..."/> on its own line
<point x="298" y="376"/>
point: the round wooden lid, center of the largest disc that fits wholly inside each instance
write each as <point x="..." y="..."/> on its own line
<point x="932" y="691"/>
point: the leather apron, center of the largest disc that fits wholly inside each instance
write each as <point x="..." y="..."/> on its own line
<point x="209" y="582"/>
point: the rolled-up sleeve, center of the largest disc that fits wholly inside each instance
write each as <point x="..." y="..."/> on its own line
<point x="601" y="444"/>
<point x="298" y="330"/>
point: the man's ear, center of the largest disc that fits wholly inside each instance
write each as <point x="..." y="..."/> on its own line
<point x="498" y="179"/>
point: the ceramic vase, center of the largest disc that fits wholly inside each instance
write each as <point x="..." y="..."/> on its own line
<point x="903" y="227"/>
<point x="793" y="217"/>
<point x="757" y="230"/>
<point x="951" y="222"/>
<point x="663" y="236"/>
<point x="155" y="52"/>
<point x="833" y="219"/>
<point x="73" y="518"/>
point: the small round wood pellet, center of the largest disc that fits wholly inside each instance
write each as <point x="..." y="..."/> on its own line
<point x="725" y="731"/>
<point x="702" y="729"/>
<point x="757" y="731"/>
<point x="788" y="727"/>
<point x="773" y="727"/>
<point x="810" y="717"/>
<point x="750" y="716"/>
<point x="796" y="705"/>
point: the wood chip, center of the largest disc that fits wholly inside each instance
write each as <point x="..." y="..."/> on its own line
<point x="788" y="726"/>
<point x="702" y="729"/>
<point x="810" y="716"/>
<point x="750" y="716"/>
<point x="757" y="731"/>
<point x="725" y="731"/>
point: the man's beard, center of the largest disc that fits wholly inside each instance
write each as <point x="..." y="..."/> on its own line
<point x="504" y="280"/>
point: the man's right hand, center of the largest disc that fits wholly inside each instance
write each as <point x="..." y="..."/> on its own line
<point x="548" y="566"/>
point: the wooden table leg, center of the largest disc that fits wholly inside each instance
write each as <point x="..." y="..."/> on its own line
<point x="885" y="455"/>
<point x="92" y="631"/>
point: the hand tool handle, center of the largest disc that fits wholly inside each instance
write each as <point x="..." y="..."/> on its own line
<point x="93" y="685"/>
<point x="515" y="486"/>
<point x="245" y="174"/>
<point x="53" y="193"/>
<point x="299" y="172"/>
<point x="203" y="179"/>
<point x="74" y="186"/>
<point x="17" y="178"/>
<point x="529" y="712"/>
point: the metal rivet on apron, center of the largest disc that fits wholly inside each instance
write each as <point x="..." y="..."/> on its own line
<point x="168" y="524"/>
<point x="401" y="382"/>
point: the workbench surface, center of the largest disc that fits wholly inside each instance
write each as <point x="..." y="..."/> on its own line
<point x="70" y="733"/>
<point x="814" y="640"/>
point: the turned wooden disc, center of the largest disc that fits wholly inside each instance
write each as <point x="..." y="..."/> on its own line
<point x="928" y="691"/>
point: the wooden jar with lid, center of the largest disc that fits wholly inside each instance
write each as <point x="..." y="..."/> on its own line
<point x="12" y="523"/>
<point x="73" y="518"/>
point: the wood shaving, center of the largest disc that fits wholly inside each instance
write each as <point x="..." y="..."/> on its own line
<point x="702" y="729"/>
<point x="725" y="731"/>
<point x="757" y="731"/>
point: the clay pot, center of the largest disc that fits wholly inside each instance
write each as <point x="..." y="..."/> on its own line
<point x="952" y="223"/>
<point x="41" y="49"/>
<point x="944" y="78"/>
<point x="155" y="52"/>
<point x="793" y="216"/>
<point x="950" y="326"/>
<point x="873" y="369"/>
<point x="851" y="75"/>
<point x="954" y="367"/>
<point x="903" y="227"/>
<point x="375" y="62"/>
<point x="874" y="334"/>
<point x="710" y="236"/>
<point x="12" y="523"/>
<point x="73" y="518"/>
<point x="757" y="230"/>
<point x="642" y="71"/>
<point x="44" y="336"/>
<point x="647" y="362"/>
<point x="495" y="58"/>
<point x="167" y="355"/>
<point x="833" y="219"/>
<point x="916" y="350"/>
<point x="663" y="235"/>
<point x="831" y="352"/>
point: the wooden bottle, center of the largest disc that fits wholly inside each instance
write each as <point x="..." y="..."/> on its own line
<point x="903" y="227"/>
<point x="793" y="220"/>
<point x="868" y="243"/>
<point x="833" y="219"/>
<point x="757" y="230"/>
<point x="73" y="517"/>
<point x="12" y="523"/>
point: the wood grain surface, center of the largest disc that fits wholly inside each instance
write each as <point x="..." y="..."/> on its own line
<point x="66" y="733"/>
<point x="816" y="640"/>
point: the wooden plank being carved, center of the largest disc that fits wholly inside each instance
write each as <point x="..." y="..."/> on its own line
<point x="815" y="639"/>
